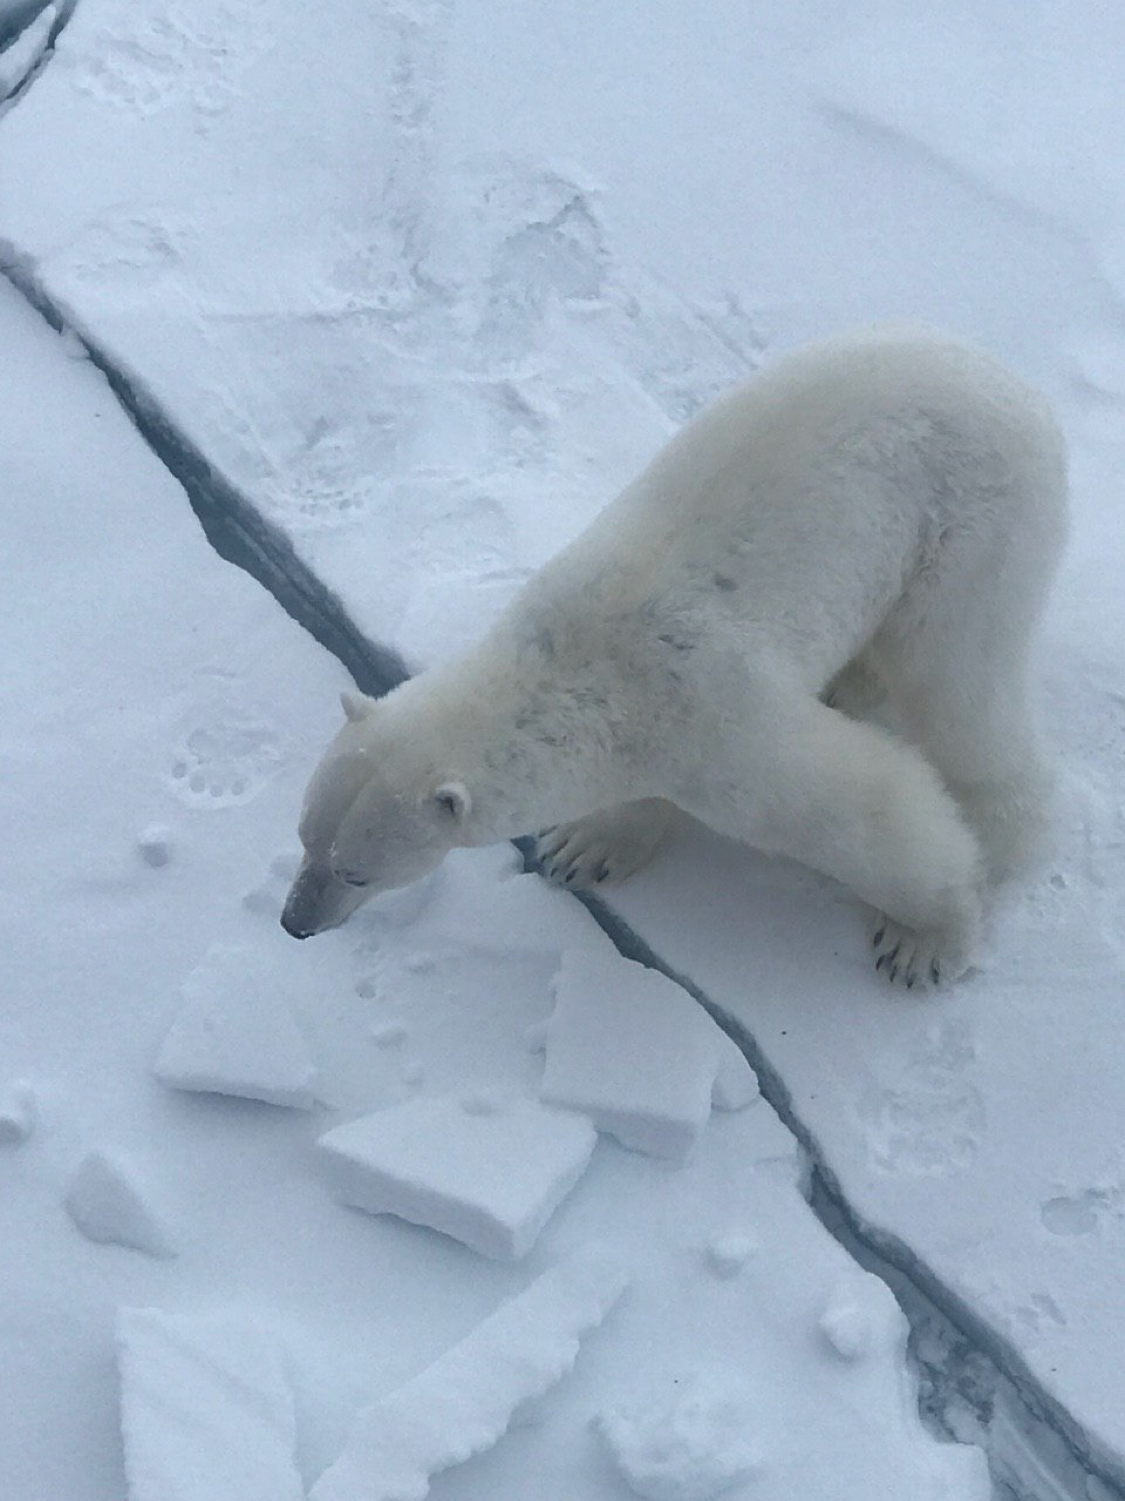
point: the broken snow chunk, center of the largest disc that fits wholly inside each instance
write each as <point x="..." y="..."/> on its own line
<point x="155" y="845"/>
<point x="736" y="1083"/>
<point x="236" y="1036"/>
<point x="490" y="1180"/>
<point x="465" y="1402"/>
<point x="206" y="1410"/>
<point x="862" y="1316"/>
<point x="691" y="1446"/>
<point x="728" y="1254"/>
<point x="18" y="1113"/>
<point x="109" y="1205"/>
<point x="632" y="1050"/>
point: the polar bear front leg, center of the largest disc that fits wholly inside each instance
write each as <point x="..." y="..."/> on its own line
<point x="606" y="846"/>
<point x="849" y="799"/>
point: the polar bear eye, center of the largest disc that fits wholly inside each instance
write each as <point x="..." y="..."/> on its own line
<point x="350" y="880"/>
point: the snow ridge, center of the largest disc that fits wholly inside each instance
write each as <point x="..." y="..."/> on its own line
<point x="1036" y="1449"/>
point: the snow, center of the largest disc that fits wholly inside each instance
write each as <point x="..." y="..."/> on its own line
<point x="110" y="1205"/>
<point x="632" y="1051"/>
<point x="693" y="1446"/>
<point x="489" y="1174"/>
<point x="206" y="1409"/>
<point x="861" y="1313"/>
<point x="730" y="1252"/>
<point x="736" y="1084"/>
<point x="463" y="1403"/>
<point x="236" y="1036"/>
<point x="19" y="59"/>
<point x="429" y="317"/>
<point x="19" y="1112"/>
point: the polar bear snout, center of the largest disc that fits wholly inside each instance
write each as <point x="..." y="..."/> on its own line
<point x="317" y="901"/>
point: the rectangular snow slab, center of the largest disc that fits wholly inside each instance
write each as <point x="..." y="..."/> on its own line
<point x="633" y="1051"/>
<point x="488" y="1173"/>
<point x="463" y="1403"/>
<point x="206" y="1410"/>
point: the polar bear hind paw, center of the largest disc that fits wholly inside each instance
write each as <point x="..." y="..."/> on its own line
<point x="603" y="847"/>
<point x="914" y="959"/>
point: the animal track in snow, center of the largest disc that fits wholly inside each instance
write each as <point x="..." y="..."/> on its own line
<point x="930" y="1121"/>
<point x="147" y="58"/>
<point x="1086" y="1211"/>
<point x="224" y="761"/>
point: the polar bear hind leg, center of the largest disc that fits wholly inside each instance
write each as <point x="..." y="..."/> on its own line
<point x="957" y="664"/>
<point x="863" y="806"/>
<point x="606" y="846"/>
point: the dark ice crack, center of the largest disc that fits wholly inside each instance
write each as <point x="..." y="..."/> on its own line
<point x="973" y="1386"/>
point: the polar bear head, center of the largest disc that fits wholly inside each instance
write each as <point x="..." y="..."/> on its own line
<point x="377" y="815"/>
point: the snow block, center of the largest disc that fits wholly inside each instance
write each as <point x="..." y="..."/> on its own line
<point x="206" y="1410"/>
<point x="690" y="1447"/>
<point x="235" y="1036"/>
<point x="109" y="1206"/>
<point x="633" y="1051"/>
<point x="18" y="1113"/>
<point x="490" y="1179"/>
<point x="464" y="1403"/>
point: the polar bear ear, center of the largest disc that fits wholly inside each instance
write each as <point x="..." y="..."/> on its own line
<point x="454" y="801"/>
<point x="356" y="706"/>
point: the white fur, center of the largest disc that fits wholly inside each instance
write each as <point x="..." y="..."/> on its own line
<point x="875" y="517"/>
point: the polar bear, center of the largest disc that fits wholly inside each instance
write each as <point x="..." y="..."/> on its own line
<point x="875" y="517"/>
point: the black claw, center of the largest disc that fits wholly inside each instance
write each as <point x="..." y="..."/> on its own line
<point x="570" y="875"/>
<point x="882" y="959"/>
<point x="935" y="971"/>
<point x="877" y="940"/>
<point x="910" y="978"/>
<point x="602" y="872"/>
<point x="892" y="973"/>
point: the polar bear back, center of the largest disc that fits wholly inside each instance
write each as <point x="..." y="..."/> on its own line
<point x="803" y="507"/>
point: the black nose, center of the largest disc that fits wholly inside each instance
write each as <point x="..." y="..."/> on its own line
<point x="294" y="929"/>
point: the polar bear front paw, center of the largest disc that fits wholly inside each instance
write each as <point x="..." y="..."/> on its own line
<point x="604" y="847"/>
<point x="913" y="958"/>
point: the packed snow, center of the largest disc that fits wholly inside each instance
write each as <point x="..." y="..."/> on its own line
<point x="235" y="1035"/>
<point x="429" y="282"/>
<point x="464" y="1402"/>
<point x="489" y="1173"/>
<point x="110" y="1204"/>
<point x="206" y="1409"/>
<point x="693" y="1445"/>
<point x="632" y="1051"/>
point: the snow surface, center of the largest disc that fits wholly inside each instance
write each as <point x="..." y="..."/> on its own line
<point x="464" y="1402"/>
<point x="235" y="1035"/>
<point x="632" y="1051"/>
<point x="694" y="1445"/>
<point x="194" y="660"/>
<point x="206" y="1409"/>
<point x="488" y="1174"/>
<point x="430" y="315"/>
